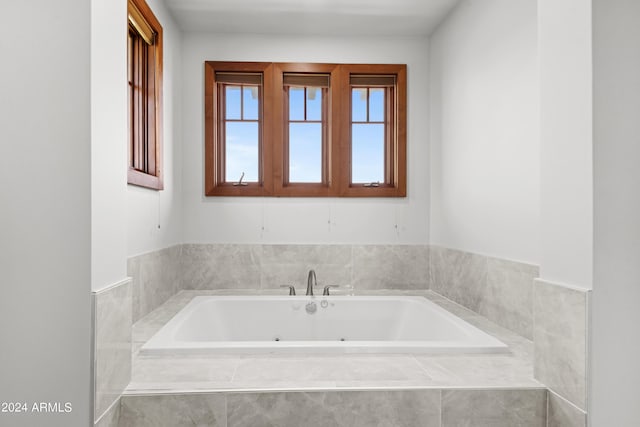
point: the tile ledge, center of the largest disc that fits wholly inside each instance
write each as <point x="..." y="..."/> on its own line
<point x="112" y="286"/>
<point x="175" y="245"/>
<point x="576" y="288"/>
<point x="566" y="401"/>
<point x="319" y="389"/>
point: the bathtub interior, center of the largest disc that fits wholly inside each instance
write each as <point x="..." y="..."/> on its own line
<point x="340" y="324"/>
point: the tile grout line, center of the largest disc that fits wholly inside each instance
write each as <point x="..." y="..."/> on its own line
<point x="235" y="370"/>
<point x="422" y="368"/>
<point x="226" y="409"/>
<point x="441" y="409"/>
<point x="547" y="410"/>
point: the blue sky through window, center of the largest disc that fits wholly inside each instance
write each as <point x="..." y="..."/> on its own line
<point x="367" y="138"/>
<point x="241" y="137"/>
<point x="305" y="139"/>
<point x="367" y="153"/>
<point x="241" y="151"/>
<point x="305" y="152"/>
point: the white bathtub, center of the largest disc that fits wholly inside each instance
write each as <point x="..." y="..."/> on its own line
<point x="339" y="324"/>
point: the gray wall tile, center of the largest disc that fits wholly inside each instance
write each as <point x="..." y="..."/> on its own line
<point x="112" y="345"/>
<point x="235" y="266"/>
<point x="417" y="408"/>
<point x="290" y="264"/>
<point x="173" y="410"/>
<point x="221" y="266"/>
<point x="391" y="267"/>
<point x="494" y="408"/>
<point x="508" y="298"/>
<point x="563" y="414"/>
<point x="498" y="289"/>
<point x="459" y="276"/>
<point x="157" y="276"/>
<point x="560" y="340"/>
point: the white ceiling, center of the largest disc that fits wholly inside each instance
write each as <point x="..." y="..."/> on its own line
<point x="326" y="17"/>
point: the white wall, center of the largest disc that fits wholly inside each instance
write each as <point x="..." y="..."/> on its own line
<point x="485" y="146"/>
<point x="45" y="212"/>
<point x="129" y="220"/>
<point x="566" y="246"/>
<point x="108" y="142"/>
<point x="284" y="220"/>
<point x="154" y="218"/>
<point x="616" y="289"/>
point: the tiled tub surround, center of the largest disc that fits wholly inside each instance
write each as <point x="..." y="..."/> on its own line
<point x="503" y="291"/>
<point x="232" y="266"/>
<point x="269" y="372"/>
<point x="159" y="275"/>
<point x="113" y="346"/>
<point x="560" y="340"/>
<point x="498" y="289"/>
<point x="333" y="390"/>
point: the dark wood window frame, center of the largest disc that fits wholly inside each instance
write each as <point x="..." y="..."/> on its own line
<point x="336" y="180"/>
<point x="215" y="183"/>
<point x="145" y="96"/>
<point x="282" y="186"/>
<point x="395" y="184"/>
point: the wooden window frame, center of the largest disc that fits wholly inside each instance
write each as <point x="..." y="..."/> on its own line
<point x="215" y="181"/>
<point x="282" y="186"/>
<point x="337" y="150"/>
<point x="395" y="184"/>
<point x="145" y="109"/>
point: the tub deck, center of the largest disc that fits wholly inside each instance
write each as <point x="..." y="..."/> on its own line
<point x="174" y="373"/>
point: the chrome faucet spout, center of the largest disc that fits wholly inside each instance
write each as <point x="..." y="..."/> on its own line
<point x="311" y="282"/>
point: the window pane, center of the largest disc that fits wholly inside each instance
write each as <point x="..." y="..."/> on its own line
<point x="314" y="103"/>
<point x="250" y="102"/>
<point x="367" y="153"/>
<point x="305" y="152"/>
<point x="241" y="151"/>
<point x="232" y="99"/>
<point x="376" y="105"/>
<point x="359" y="105"/>
<point x="296" y="103"/>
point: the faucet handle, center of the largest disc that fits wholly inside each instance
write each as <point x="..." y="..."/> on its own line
<point x="292" y="289"/>
<point x="326" y="289"/>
